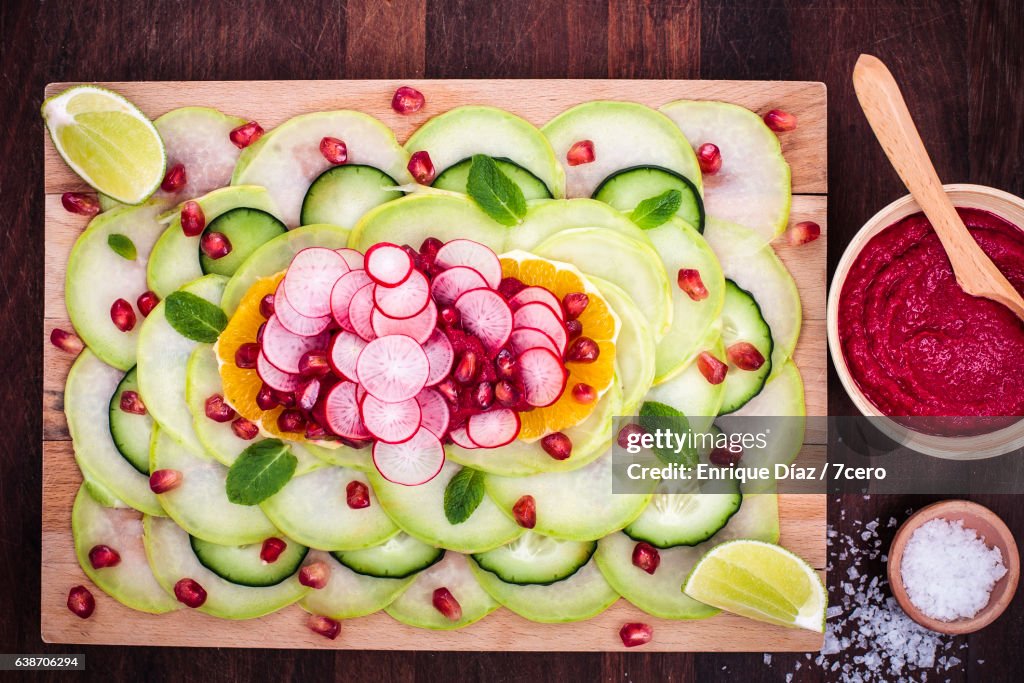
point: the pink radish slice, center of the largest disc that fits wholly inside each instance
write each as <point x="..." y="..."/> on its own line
<point x="390" y="422"/>
<point x="276" y="378"/>
<point x="412" y="462"/>
<point x="493" y="429"/>
<point x="461" y="439"/>
<point x="284" y="349"/>
<point x="393" y="368"/>
<point x="540" y="317"/>
<point x="342" y="412"/>
<point x="387" y="264"/>
<point x="485" y="314"/>
<point x="452" y="283"/>
<point x="294" y="321"/>
<point x="524" y="338"/>
<point x="543" y="377"/>
<point x="360" y="310"/>
<point x="310" y="279"/>
<point x="342" y="293"/>
<point x="434" y="413"/>
<point x="440" y="356"/>
<point x="419" y="327"/>
<point x="353" y="258"/>
<point x="344" y="352"/>
<point x="474" y="255"/>
<point x="544" y="296"/>
<point x="404" y="300"/>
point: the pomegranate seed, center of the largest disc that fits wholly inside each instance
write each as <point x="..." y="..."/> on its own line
<point x="574" y="304"/>
<point x="710" y="158"/>
<point x="726" y="456"/>
<point x="421" y="167"/>
<point x="745" y="356"/>
<point x="484" y="395"/>
<point x="357" y="495"/>
<point x="431" y="246"/>
<point x="314" y="364"/>
<point x="284" y="399"/>
<point x="465" y="371"/>
<point x="315" y="432"/>
<point x="193" y="220"/>
<point x="315" y="575"/>
<point x="81" y="602"/>
<point x="627" y="433"/>
<point x="574" y="328"/>
<point x="510" y="286"/>
<point x="334" y="150"/>
<point x="584" y="393"/>
<point x="581" y="152"/>
<point x="246" y="134"/>
<point x="407" y="100"/>
<point x="583" y="350"/>
<point x="267" y="306"/>
<point x="162" y="481"/>
<point x="803" y="232"/>
<point x="690" y="281"/>
<point x="265" y="398"/>
<point x="272" y="549"/>
<point x="780" y="121"/>
<point x="449" y="316"/>
<point x="175" y="179"/>
<point x="325" y="626"/>
<point x="146" y="302"/>
<point x="646" y="557"/>
<point x="244" y="429"/>
<point x="219" y="411"/>
<point x="506" y="393"/>
<point x="132" y="403"/>
<point x="446" y="604"/>
<point x="291" y="420"/>
<point x="259" y="333"/>
<point x="215" y="245"/>
<point x="245" y="356"/>
<point x="81" y="203"/>
<point x="713" y="369"/>
<point x="122" y="315"/>
<point x="101" y="556"/>
<point x="525" y="512"/>
<point x="307" y="396"/>
<point x="66" y="341"/>
<point x="505" y="363"/>
<point x="190" y="593"/>
<point x="635" y="634"/>
<point x="449" y="390"/>
<point x="557" y="445"/>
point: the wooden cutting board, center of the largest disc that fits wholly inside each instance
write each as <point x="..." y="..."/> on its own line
<point x="802" y="517"/>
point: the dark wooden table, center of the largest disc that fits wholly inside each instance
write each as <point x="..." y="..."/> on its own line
<point x="961" y="65"/>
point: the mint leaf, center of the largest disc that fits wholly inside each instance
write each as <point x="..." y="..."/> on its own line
<point x="194" y="317"/>
<point x="463" y="495"/>
<point x="653" y="211"/>
<point x="122" y="245"/>
<point x="655" y="416"/>
<point x="260" y="471"/>
<point x="497" y="195"/>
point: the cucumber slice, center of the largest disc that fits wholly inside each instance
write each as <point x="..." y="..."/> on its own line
<point x="753" y="186"/>
<point x="200" y="503"/>
<point x="348" y="595"/>
<point x="679" y="246"/>
<point x="415" y="606"/>
<point x="341" y="195"/>
<point x="577" y="505"/>
<point x="742" y="322"/>
<point x="546" y="218"/>
<point x="313" y="510"/>
<point x="171" y="557"/>
<point x="90" y="384"/>
<point x="101" y="494"/>
<point x="241" y="564"/>
<point x="163" y="363"/>
<point x="691" y="394"/>
<point x="634" y="348"/>
<point x="396" y="558"/>
<point x="199" y="139"/>
<point x="287" y="159"/>
<point x="680" y="513"/>
<point x="414" y="218"/>
<point x="626" y="188"/>
<point x="97" y="276"/>
<point x="536" y="559"/>
<point x="625" y="134"/>
<point x="131" y="433"/>
<point x="247" y="230"/>
<point x="455" y="136"/>
<point x="131" y="581"/>
<point x="583" y="595"/>
<point x="419" y="511"/>
<point x="456" y="178"/>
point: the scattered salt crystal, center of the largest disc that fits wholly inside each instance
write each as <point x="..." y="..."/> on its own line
<point x="768" y="660"/>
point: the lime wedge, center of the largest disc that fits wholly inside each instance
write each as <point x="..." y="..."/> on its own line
<point x="107" y="141"/>
<point x="760" y="581"/>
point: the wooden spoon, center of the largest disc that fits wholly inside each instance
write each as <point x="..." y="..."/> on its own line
<point x="883" y="104"/>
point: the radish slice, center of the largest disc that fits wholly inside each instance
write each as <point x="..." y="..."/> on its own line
<point x="434" y="413"/>
<point x="284" y="349"/>
<point x="543" y="377"/>
<point x="493" y="429"/>
<point x="295" y="322"/>
<point x="353" y="258"/>
<point x="342" y="412"/>
<point x="461" y="439"/>
<point x="390" y="422"/>
<point x="540" y="317"/>
<point x="450" y="284"/>
<point x="387" y="264"/>
<point x="404" y="300"/>
<point x="440" y="355"/>
<point x="342" y="293"/>
<point x="419" y="327"/>
<point x="525" y="338"/>
<point x="411" y="462"/>
<point x="344" y="352"/>
<point x="474" y="255"/>
<point x="486" y="315"/>
<point x="393" y="368"/>
<point x="544" y="296"/>
<point x="275" y="378"/>
<point x="310" y="279"/>
<point x="360" y="308"/>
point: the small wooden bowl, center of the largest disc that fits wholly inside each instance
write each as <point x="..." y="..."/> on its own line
<point x="992" y="530"/>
